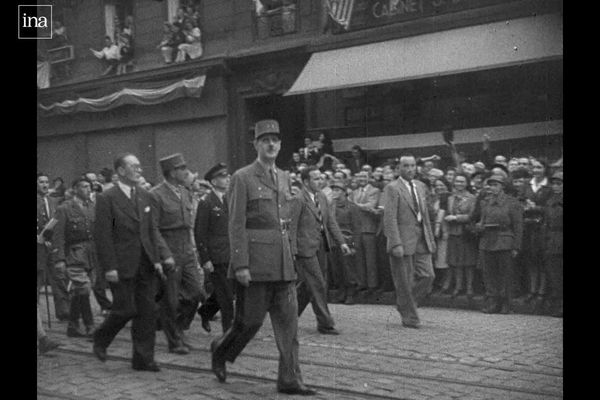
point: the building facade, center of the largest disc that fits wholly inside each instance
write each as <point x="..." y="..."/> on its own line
<point x="388" y="75"/>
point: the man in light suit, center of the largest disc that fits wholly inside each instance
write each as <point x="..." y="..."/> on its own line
<point x="410" y="241"/>
<point x="128" y="254"/>
<point x="261" y="262"/>
<point x="313" y="227"/>
<point x="182" y="290"/>
<point x="366" y="197"/>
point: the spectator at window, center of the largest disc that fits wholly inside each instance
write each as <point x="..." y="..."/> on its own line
<point x="125" y="43"/>
<point x="192" y="48"/>
<point x="166" y="44"/>
<point x="110" y="54"/>
<point x="59" y="35"/>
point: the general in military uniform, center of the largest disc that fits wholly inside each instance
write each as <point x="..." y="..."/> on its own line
<point x="212" y="241"/>
<point x="182" y="290"/>
<point x="262" y="262"/>
<point x="75" y="251"/>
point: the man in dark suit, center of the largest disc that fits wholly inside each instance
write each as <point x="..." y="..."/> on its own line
<point x="261" y="262"/>
<point x="128" y="255"/>
<point x="410" y="240"/>
<point x="313" y="227"/>
<point x="182" y="291"/>
<point x="57" y="277"/>
<point x="212" y="242"/>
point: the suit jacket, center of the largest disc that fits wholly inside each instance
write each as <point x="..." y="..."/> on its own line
<point x="400" y="217"/>
<point x="462" y="207"/>
<point x="553" y="225"/>
<point x="173" y="217"/>
<point x="210" y="229"/>
<point x="121" y="232"/>
<point x="368" y="220"/>
<point x="306" y="230"/>
<point x="259" y="217"/>
<point x="42" y="218"/>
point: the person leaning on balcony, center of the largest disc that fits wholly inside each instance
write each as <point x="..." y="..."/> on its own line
<point x="110" y="53"/>
<point x="192" y="47"/>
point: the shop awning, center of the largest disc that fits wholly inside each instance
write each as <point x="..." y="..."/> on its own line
<point x="448" y="52"/>
<point x="182" y="88"/>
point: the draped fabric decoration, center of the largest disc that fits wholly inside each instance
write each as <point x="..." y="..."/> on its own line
<point x="183" y="88"/>
<point x="43" y="74"/>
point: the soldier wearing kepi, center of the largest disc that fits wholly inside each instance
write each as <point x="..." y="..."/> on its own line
<point x="182" y="290"/>
<point x="261" y="262"/>
<point x="212" y="241"/>
<point x="75" y="251"/>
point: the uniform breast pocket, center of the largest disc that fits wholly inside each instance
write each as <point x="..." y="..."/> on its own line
<point x="259" y="199"/>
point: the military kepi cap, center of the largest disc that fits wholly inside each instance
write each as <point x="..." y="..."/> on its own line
<point x="266" y="126"/>
<point x="219" y="169"/>
<point x="171" y="162"/>
<point x="497" y="178"/>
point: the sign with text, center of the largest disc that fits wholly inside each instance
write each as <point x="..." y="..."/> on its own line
<point x="371" y="13"/>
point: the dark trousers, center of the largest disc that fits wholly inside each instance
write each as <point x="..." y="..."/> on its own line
<point x="99" y="290"/>
<point x="554" y="269"/>
<point x="134" y="299"/>
<point x="312" y="288"/>
<point x="191" y="293"/>
<point x="497" y="274"/>
<point x="58" y="282"/>
<point x="347" y="271"/>
<point x="366" y="260"/>
<point x="384" y="274"/>
<point x="221" y="297"/>
<point x="252" y="304"/>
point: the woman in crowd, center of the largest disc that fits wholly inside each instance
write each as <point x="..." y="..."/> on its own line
<point x="58" y="188"/>
<point x="462" y="246"/>
<point x="536" y="194"/>
<point x="192" y="47"/>
<point x="500" y="222"/>
<point x="438" y="200"/>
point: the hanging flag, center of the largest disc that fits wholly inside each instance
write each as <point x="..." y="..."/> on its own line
<point x="340" y="11"/>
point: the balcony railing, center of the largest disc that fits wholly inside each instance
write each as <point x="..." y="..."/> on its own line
<point x="278" y="22"/>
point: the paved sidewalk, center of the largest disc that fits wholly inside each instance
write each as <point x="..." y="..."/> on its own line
<point x="457" y="354"/>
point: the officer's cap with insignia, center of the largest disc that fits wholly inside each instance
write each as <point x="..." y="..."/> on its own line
<point x="266" y="126"/>
<point x="171" y="162"/>
<point x="219" y="169"/>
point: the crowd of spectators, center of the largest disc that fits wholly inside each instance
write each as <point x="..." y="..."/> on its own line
<point x="182" y="37"/>
<point x="455" y="196"/>
<point x="118" y="51"/>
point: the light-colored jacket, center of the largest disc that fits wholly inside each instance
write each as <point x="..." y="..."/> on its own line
<point x="400" y="217"/>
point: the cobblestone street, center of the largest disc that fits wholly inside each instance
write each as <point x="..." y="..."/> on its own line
<point x="457" y="354"/>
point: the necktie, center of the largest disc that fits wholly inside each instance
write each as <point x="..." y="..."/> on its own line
<point x="46" y="207"/>
<point x="273" y="176"/>
<point x="134" y="199"/>
<point x="319" y="216"/>
<point x="415" y="201"/>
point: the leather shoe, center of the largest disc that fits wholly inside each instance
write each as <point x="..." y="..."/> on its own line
<point x="100" y="353"/>
<point x="152" y="367"/>
<point x="328" y="331"/>
<point x="217" y="363"/>
<point x="206" y="324"/>
<point x="301" y="390"/>
<point x="75" y="332"/>
<point x="179" y="350"/>
<point x="414" y="325"/>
